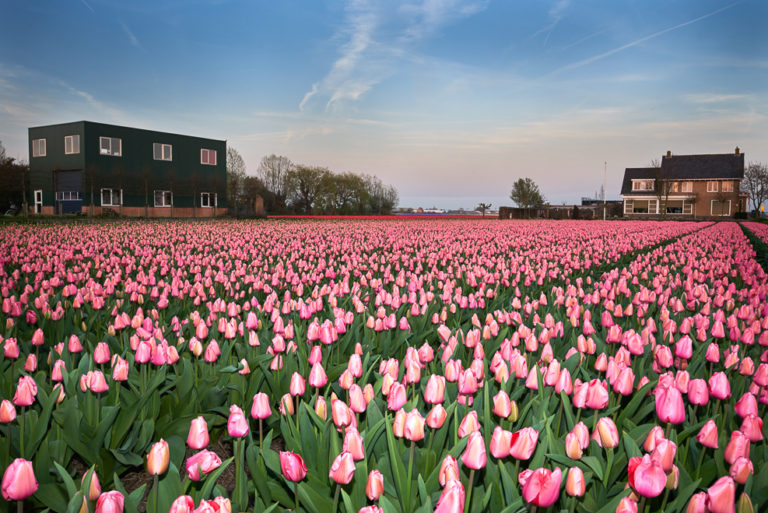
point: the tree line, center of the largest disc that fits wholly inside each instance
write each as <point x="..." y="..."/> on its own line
<point x="14" y="181"/>
<point x="281" y="186"/>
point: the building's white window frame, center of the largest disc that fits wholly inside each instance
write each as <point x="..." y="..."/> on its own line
<point x="644" y="184"/>
<point x="162" y="151"/>
<point x="655" y="204"/>
<point x="166" y="198"/>
<point x="712" y="207"/>
<point x="113" y="148"/>
<point x="206" y="197"/>
<point x="72" y="144"/>
<point x="712" y="186"/>
<point x="629" y="206"/>
<point x="727" y="187"/>
<point x="38" y="147"/>
<point x="686" y="186"/>
<point x="114" y="194"/>
<point x="687" y="208"/>
<point x="68" y="196"/>
<point x="205" y="157"/>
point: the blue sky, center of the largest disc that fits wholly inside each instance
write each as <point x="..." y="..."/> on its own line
<point x="450" y="101"/>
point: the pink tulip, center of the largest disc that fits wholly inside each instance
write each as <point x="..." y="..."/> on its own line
<point x="698" y="393"/>
<point x="182" y="504"/>
<point x="293" y="466"/>
<point x="575" y="485"/>
<point x="542" y="487"/>
<point x="698" y="503"/>
<point x="203" y="462"/>
<point x="737" y="446"/>
<point x="719" y="387"/>
<point x="342" y="468"/>
<point x="708" y="435"/>
<point x="474" y="455"/>
<point x="110" y="502"/>
<point x="7" y="412"/>
<point x="452" y="498"/>
<point x="669" y="405"/>
<point x="721" y="496"/>
<point x="500" y="443"/>
<point x="646" y="476"/>
<point x="237" y="424"/>
<point x="261" y="408"/>
<point x="19" y="480"/>
<point x="523" y="443"/>
<point x="26" y="391"/>
<point x="317" y="376"/>
<point x="375" y="486"/>
<point x="198" y="433"/>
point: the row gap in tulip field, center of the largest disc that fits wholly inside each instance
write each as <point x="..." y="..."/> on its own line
<point x="372" y="366"/>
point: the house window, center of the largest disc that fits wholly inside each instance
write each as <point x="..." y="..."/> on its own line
<point x="208" y="157"/>
<point x="111" y="146"/>
<point x="711" y="186"/>
<point x="68" y="195"/>
<point x="163" y="198"/>
<point x="687" y="208"/>
<point x="38" y="147"/>
<point x="208" y="199"/>
<point x="674" y="207"/>
<point x="642" y="185"/>
<point x="111" y="197"/>
<point x="674" y="187"/>
<point x="720" y="208"/>
<point x="686" y="187"/>
<point x="727" y="186"/>
<point x="162" y="151"/>
<point x="629" y="206"/>
<point x="71" y="144"/>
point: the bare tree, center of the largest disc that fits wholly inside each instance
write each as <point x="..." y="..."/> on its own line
<point x="236" y="173"/>
<point x="755" y="184"/>
<point x="273" y="172"/>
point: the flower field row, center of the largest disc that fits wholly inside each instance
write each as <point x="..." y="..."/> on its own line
<point x="383" y="366"/>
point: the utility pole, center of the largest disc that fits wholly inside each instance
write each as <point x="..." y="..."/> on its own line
<point x="605" y="181"/>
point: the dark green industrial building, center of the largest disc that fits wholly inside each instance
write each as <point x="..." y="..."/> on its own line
<point x="95" y="168"/>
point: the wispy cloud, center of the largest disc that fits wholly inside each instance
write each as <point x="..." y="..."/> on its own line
<point x="555" y="15"/>
<point x="88" y="6"/>
<point x="715" y="98"/>
<point x="376" y="37"/>
<point x="636" y="42"/>
<point x="131" y="36"/>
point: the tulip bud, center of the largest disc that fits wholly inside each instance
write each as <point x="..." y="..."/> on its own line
<point x="111" y="502"/>
<point x="158" y="458"/>
<point x="375" y="486"/>
<point x="513" y="412"/>
<point x="342" y="468"/>
<point x="198" y="434"/>
<point x="575" y="485"/>
<point x="745" y="504"/>
<point x="94" y="488"/>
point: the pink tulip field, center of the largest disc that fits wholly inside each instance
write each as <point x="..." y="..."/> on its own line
<point x="396" y="366"/>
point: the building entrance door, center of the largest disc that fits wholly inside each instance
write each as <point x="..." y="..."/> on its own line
<point x="38" y="201"/>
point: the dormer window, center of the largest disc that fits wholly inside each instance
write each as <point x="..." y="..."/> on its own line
<point x="642" y="185"/>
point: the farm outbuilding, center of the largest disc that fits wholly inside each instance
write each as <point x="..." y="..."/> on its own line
<point x="99" y="169"/>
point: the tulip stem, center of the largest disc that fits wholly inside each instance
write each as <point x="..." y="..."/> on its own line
<point x="517" y="471"/>
<point x="608" y="465"/>
<point x="469" y="491"/>
<point x="117" y="394"/>
<point x="642" y="505"/>
<point x="410" y="474"/>
<point x="336" y="497"/>
<point x="156" y="489"/>
<point x="261" y="438"/>
<point x="427" y="469"/>
<point x="296" y="494"/>
<point x="664" y="500"/>
<point x="298" y="428"/>
<point x="573" y="505"/>
<point x="559" y="418"/>
<point x="21" y="432"/>
<point x="20" y="506"/>
<point x="594" y="423"/>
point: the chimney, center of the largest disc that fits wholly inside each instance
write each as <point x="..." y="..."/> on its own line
<point x="669" y="153"/>
<point x="737" y="150"/>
